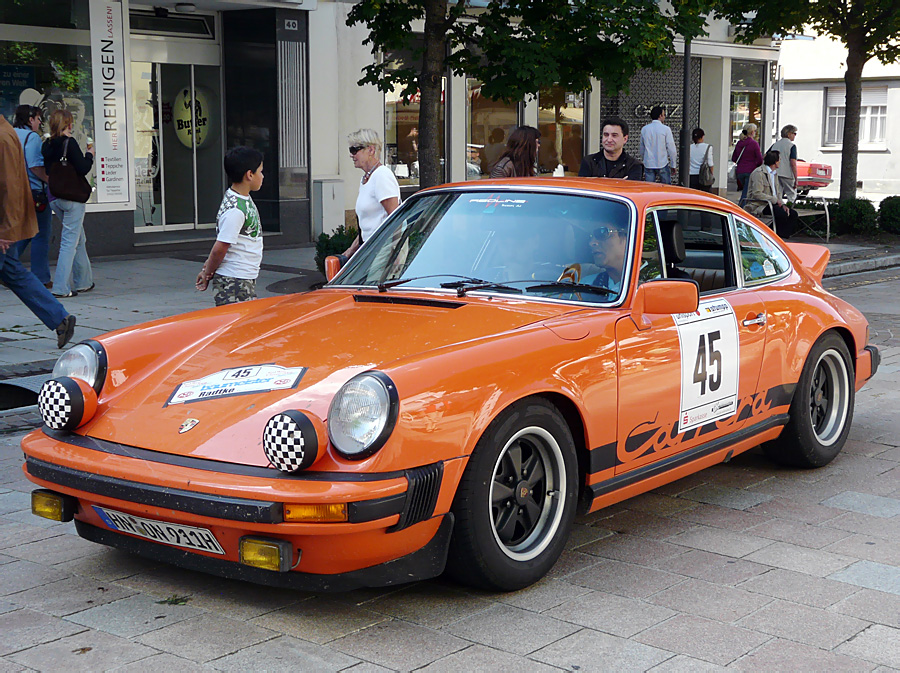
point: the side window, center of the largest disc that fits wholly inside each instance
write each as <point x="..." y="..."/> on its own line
<point x="761" y="259"/>
<point x="651" y="262"/>
<point x="708" y="256"/>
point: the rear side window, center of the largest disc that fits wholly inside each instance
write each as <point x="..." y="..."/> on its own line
<point x="708" y="257"/>
<point x="762" y="260"/>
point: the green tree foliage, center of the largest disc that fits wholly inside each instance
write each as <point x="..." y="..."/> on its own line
<point x="867" y="28"/>
<point x="516" y="48"/>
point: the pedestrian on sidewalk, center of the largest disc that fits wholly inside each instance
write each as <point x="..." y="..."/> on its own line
<point x="612" y="161"/>
<point x="18" y="223"/>
<point x="73" y="268"/>
<point x="747" y="158"/>
<point x="787" y="170"/>
<point x="701" y="153"/>
<point x="28" y="125"/>
<point x="234" y="261"/>
<point x="765" y="197"/>
<point x="657" y="148"/>
<point x="520" y="158"/>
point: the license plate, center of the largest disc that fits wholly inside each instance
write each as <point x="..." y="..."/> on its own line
<point x="821" y="171"/>
<point x="161" y="531"/>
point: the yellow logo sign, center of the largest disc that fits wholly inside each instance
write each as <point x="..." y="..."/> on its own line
<point x="188" y="127"/>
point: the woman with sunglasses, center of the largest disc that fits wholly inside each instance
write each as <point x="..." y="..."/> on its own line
<point x="521" y="153"/>
<point x="379" y="191"/>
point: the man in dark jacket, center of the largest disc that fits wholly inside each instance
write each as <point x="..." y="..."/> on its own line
<point x="612" y="161"/>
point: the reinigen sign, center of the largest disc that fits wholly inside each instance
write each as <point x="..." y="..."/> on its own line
<point x="110" y="130"/>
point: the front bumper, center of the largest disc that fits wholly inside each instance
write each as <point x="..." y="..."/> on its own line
<point x="391" y="516"/>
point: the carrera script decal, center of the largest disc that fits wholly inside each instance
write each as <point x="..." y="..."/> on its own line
<point x="238" y="381"/>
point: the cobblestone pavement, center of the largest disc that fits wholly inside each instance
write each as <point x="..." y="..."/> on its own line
<point x="744" y="566"/>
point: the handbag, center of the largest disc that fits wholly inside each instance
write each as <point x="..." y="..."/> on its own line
<point x="66" y="182"/>
<point x="732" y="165"/>
<point x="706" y="174"/>
<point x="41" y="201"/>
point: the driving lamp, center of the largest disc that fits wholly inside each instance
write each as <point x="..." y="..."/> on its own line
<point x="53" y="506"/>
<point x="267" y="553"/>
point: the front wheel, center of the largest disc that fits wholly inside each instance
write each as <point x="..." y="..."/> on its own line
<point x="516" y="500"/>
<point x="821" y="410"/>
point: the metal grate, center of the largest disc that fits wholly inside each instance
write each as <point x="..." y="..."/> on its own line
<point x="649" y="88"/>
<point x="292" y="104"/>
<point x="421" y="497"/>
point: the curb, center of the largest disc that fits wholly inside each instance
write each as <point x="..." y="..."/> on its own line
<point x="860" y="265"/>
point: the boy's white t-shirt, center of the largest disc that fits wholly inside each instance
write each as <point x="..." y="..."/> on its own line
<point x="238" y="225"/>
<point x="381" y="185"/>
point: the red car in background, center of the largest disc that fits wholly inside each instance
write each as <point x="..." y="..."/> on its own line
<point x="812" y="176"/>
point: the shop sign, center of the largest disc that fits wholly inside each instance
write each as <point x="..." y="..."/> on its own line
<point x="187" y="125"/>
<point x="108" y="71"/>
<point x="13" y="80"/>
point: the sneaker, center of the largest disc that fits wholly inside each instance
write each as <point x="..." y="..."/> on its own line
<point x="65" y="330"/>
<point x="73" y="293"/>
<point x="86" y="289"/>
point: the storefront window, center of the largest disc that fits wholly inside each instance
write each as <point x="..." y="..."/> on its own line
<point x="747" y="91"/>
<point x="561" y="123"/>
<point x="52" y="77"/>
<point x="401" y="134"/>
<point x="488" y="125"/>
<point x="46" y="13"/>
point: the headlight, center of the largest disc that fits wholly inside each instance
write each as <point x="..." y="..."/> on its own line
<point x="86" y="361"/>
<point x="362" y="414"/>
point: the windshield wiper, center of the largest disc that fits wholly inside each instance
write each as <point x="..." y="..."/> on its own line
<point x="388" y="284"/>
<point x="468" y="284"/>
<point x="562" y="285"/>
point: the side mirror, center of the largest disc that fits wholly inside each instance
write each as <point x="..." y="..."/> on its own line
<point x="661" y="297"/>
<point x="333" y="264"/>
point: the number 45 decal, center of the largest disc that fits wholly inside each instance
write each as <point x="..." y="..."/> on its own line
<point x="710" y="358"/>
<point x="714" y="358"/>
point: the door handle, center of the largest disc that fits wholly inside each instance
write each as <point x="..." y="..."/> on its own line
<point x="760" y="319"/>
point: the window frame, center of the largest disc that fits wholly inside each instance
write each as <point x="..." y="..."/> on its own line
<point x="754" y="284"/>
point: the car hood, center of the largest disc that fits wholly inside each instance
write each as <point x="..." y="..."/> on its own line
<point x="322" y="339"/>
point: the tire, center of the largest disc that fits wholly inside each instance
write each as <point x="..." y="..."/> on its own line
<point x="507" y="535"/>
<point x="822" y="409"/>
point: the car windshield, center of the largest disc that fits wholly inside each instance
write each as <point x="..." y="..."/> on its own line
<point x="516" y="242"/>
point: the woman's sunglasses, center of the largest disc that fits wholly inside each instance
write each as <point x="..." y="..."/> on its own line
<point x="356" y="148"/>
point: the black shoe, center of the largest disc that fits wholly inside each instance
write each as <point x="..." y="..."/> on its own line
<point x="73" y="293"/>
<point x="86" y="289"/>
<point x="65" y="330"/>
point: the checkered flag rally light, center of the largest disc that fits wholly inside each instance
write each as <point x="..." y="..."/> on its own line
<point x="66" y="403"/>
<point x="290" y="441"/>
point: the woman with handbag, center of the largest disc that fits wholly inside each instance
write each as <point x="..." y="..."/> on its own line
<point x="28" y="124"/>
<point x="69" y="190"/>
<point x="701" y="162"/>
<point x="747" y="157"/>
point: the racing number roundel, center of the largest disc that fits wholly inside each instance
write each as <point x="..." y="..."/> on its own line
<point x="710" y="363"/>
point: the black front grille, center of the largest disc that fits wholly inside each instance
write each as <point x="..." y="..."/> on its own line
<point x="421" y="497"/>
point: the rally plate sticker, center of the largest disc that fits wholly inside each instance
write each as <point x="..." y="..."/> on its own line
<point x="238" y="381"/>
<point x="160" y="531"/>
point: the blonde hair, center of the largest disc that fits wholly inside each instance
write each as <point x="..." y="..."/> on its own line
<point x="60" y="120"/>
<point x="365" y="138"/>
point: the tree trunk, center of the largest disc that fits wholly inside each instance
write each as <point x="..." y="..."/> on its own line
<point x="856" y="59"/>
<point x="433" y="67"/>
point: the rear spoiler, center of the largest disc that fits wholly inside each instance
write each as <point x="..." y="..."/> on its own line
<point x="814" y="258"/>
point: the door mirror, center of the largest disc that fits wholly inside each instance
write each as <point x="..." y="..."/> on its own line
<point x="332" y="266"/>
<point x="661" y="297"/>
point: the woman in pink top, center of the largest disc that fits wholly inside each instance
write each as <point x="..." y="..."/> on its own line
<point x="747" y="156"/>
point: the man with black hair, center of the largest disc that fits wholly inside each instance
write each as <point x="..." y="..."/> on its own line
<point x="234" y="261"/>
<point x="612" y="161"/>
<point x="657" y="148"/>
<point x="764" y="193"/>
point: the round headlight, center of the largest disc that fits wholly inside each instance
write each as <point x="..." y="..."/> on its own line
<point x="86" y="361"/>
<point x="362" y="415"/>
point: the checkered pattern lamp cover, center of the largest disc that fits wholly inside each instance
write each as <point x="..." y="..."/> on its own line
<point x="290" y="441"/>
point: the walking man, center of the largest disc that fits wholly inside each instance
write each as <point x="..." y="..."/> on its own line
<point x="612" y="161"/>
<point x="18" y="223"/>
<point x="657" y="148"/>
<point x="787" y="171"/>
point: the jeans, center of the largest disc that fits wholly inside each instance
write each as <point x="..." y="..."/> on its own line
<point x="73" y="263"/>
<point x="743" y="180"/>
<point x="664" y="173"/>
<point x="31" y="291"/>
<point x="40" y="246"/>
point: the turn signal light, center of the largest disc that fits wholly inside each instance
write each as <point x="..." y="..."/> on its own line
<point x="267" y="553"/>
<point x="52" y="505"/>
<point x="334" y="512"/>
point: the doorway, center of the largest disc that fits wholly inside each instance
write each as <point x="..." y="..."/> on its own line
<point x="178" y="141"/>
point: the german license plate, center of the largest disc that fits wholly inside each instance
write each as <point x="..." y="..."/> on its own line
<point x="161" y="531"/>
<point x="821" y="171"/>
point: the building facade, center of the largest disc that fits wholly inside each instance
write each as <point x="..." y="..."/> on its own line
<point x="813" y="100"/>
<point x="163" y="89"/>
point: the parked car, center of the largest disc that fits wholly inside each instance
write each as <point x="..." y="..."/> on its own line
<point x="812" y="176"/>
<point x="496" y="358"/>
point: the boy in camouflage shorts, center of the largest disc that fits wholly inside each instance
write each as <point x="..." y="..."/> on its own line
<point x="233" y="263"/>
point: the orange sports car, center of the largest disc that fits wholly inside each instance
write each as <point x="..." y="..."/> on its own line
<point x="495" y="359"/>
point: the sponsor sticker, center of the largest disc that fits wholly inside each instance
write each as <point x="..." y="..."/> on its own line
<point x="246" y="380"/>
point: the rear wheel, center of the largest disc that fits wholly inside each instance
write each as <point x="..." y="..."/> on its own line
<point x="516" y="501"/>
<point x="822" y="408"/>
